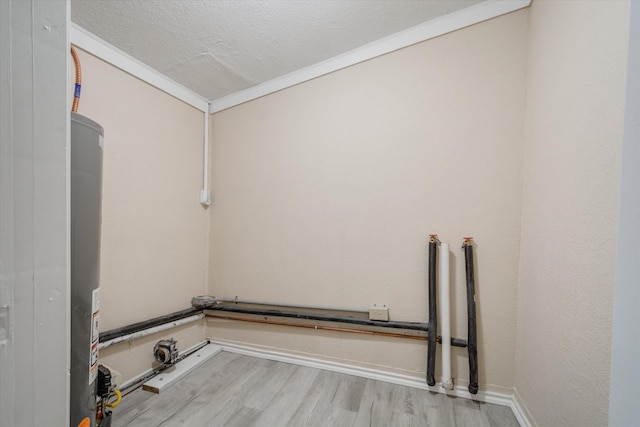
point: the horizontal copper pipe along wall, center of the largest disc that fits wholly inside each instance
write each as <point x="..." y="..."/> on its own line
<point x="318" y="327"/>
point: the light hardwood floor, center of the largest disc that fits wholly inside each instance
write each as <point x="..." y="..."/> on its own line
<point x="236" y="390"/>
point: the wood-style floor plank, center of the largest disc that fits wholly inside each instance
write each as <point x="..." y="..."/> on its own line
<point x="468" y="413"/>
<point x="499" y="415"/>
<point x="164" y="406"/>
<point x="288" y="399"/>
<point x="236" y="390"/>
<point x="213" y="405"/>
<point x="312" y="409"/>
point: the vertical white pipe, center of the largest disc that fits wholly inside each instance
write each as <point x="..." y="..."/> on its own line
<point x="205" y="178"/>
<point x="445" y="320"/>
<point x="205" y="196"/>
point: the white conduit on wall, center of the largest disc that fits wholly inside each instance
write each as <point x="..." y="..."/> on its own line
<point x="205" y="195"/>
<point x="295" y="306"/>
<point x="445" y="320"/>
<point x="155" y="329"/>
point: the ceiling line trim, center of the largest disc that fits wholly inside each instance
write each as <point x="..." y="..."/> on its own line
<point x="94" y="45"/>
<point x="416" y="34"/>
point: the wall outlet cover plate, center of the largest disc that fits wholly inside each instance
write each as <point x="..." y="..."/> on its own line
<point x="379" y="313"/>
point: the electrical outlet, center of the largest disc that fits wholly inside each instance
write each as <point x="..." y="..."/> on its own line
<point x="379" y="313"/>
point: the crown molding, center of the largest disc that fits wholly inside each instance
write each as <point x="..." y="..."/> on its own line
<point x="96" y="46"/>
<point x="419" y="33"/>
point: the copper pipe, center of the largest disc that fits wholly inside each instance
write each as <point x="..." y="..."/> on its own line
<point x="76" y="93"/>
<point x="325" y="328"/>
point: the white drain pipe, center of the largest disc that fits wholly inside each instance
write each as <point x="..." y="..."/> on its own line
<point x="445" y="320"/>
<point x="205" y="194"/>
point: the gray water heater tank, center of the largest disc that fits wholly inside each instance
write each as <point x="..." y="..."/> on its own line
<point x="86" y="202"/>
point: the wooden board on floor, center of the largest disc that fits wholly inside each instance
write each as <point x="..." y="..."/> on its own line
<point x="173" y="374"/>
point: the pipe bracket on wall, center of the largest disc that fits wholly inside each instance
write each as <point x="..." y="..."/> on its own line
<point x="205" y="198"/>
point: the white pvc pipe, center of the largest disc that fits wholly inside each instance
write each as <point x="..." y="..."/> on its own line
<point x="313" y="307"/>
<point x="155" y="329"/>
<point x="445" y="320"/>
<point x="205" y="178"/>
<point x="205" y="196"/>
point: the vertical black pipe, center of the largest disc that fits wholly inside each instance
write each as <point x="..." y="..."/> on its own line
<point x="433" y="313"/>
<point x="472" y="340"/>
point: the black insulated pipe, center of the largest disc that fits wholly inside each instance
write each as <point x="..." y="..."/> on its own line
<point x="233" y="308"/>
<point x="455" y="342"/>
<point x="433" y="310"/>
<point x="147" y="324"/>
<point x="472" y="339"/>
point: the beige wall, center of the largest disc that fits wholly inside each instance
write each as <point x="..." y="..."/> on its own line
<point x="154" y="237"/>
<point x="325" y="193"/>
<point x="575" y="100"/>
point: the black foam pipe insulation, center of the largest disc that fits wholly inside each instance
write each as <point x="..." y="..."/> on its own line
<point x="433" y="312"/>
<point x="147" y="324"/>
<point x="233" y="307"/>
<point x="472" y="339"/>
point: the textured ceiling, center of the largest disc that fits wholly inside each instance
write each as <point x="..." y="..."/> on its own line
<point x="216" y="47"/>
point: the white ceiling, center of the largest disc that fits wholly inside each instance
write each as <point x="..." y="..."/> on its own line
<point x="219" y="47"/>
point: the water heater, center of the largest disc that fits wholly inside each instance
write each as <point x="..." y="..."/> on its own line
<point x="86" y="196"/>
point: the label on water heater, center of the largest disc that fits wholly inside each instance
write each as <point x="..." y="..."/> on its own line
<point x="95" y="332"/>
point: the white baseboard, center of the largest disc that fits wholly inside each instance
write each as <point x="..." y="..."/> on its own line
<point x="495" y="398"/>
<point x="520" y="411"/>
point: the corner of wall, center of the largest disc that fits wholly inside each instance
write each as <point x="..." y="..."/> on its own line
<point x="573" y="132"/>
